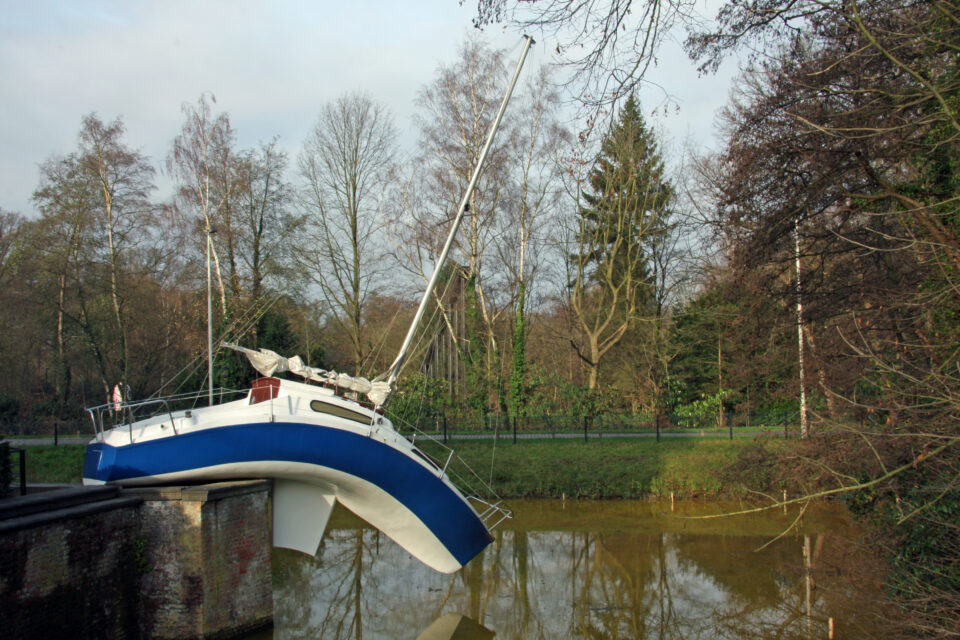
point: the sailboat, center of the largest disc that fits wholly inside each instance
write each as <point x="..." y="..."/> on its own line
<point x="318" y="445"/>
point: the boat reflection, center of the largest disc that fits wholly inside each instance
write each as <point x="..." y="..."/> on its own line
<point x="453" y="626"/>
<point x="606" y="570"/>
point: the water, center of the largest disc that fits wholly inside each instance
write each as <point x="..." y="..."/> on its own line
<point x="594" y="569"/>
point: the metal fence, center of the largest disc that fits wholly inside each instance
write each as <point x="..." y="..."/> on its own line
<point x="780" y="424"/>
<point x="498" y="425"/>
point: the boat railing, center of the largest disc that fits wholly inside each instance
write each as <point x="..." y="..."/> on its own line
<point x="489" y="512"/>
<point x="484" y="500"/>
<point x="112" y="414"/>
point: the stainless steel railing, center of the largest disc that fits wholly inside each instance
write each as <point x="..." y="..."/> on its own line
<point x="113" y="414"/>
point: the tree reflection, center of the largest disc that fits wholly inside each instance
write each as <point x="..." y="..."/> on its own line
<point x="536" y="583"/>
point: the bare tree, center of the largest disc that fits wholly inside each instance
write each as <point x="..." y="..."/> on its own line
<point x="202" y="161"/>
<point x="534" y="152"/>
<point x="345" y="168"/>
<point x="124" y="181"/>
<point x="608" y="45"/>
<point x="456" y="110"/>
<point x="100" y="195"/>
<point x="264" y="201"/>
<point x="848" y="131"/>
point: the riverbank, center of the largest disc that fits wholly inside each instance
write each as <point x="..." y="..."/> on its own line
<point x="547" y="468"/>
<point x="618" y="467"/>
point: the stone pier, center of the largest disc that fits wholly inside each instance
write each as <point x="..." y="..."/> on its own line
<point x="157" y="562"/>
<point x="206" y="563"/>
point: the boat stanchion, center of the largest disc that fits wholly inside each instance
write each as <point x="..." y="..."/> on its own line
<point x="446" y="464"/>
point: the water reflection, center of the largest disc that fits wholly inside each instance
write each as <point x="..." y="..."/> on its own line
<point x="591" y="570"/>
<point x="453" y="626"/>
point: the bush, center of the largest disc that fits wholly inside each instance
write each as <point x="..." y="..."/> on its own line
<point x="754" y="469"/>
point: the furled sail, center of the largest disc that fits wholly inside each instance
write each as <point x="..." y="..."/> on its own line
<point x="269" y="362"/>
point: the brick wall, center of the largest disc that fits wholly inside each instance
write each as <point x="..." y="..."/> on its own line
<point x="72" y="576"/>
<point x="207" y="569"/>
<point x="178" y="562"/>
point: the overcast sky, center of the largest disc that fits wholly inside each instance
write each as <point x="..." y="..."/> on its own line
<point x="271" y="66"/>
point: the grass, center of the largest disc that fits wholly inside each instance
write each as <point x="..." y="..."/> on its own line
<point x="607" y="468"/>
<point x="48" y="463"/>
<point x="602" y="468"/>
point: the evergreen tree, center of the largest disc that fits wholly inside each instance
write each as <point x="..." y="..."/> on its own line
<point x="627" y="202"/>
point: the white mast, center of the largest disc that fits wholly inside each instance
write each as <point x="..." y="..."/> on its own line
<point x="209" y="230"/>
<point x="402" y="356"/>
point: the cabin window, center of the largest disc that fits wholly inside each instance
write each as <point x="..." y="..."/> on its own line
<point x="341" y="412"/>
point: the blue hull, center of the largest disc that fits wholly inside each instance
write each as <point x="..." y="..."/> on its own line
<point x="440" y="509"/>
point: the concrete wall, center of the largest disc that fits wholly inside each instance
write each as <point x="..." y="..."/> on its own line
<point x="180" y="562"/>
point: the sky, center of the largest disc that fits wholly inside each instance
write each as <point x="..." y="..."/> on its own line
<point x="270" y="65"/>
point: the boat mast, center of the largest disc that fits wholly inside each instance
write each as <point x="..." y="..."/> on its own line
<point x="402" y="356"/>
<point x="209" y="231"/>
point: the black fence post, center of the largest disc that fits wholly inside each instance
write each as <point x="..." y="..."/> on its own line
<point x="23" y="472"/>
<point x="785" y="436"/>
<point x="56" y="433"/>
<point x="23" y="469"/>
<point x="584" y="428"/>
<point x="514" y="429"/>
<point x="730" y="424"/>
<point x="658" y="427"/>
<point x="444" y="415"/>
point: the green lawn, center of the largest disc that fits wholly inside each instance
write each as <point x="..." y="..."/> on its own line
<point x="47" y="463"/>
<point x="607" y="468"/>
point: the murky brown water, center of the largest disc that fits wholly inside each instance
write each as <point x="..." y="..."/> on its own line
<point x="593" y="570"/>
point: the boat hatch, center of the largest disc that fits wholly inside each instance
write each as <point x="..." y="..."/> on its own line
<point x="341" y="412"/>
<point x="264" y="389"/>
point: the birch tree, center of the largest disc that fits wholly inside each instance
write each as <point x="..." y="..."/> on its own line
<point x="534" y="151"/>
<point x="101" y="193"/>
<point x="201" y="160"/>
<point x="454" y="117"/>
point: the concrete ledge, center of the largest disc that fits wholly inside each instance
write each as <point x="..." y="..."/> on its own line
<point x="58" y="515"/>
<point x="200" y="493"/>
<point x="18" y="506"/>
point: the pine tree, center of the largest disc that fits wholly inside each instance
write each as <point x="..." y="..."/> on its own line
<point x="627" y="200"/>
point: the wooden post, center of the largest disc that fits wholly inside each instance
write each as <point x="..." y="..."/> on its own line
<point x="671" y="501"/>
<point x="830" y="626"/>
<point x="784" y="502"/>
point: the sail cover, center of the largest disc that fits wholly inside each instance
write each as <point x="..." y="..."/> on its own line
<point x="269" y="362"/>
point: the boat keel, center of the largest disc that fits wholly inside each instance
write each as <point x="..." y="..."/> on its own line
<point x="300" y="514"/>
